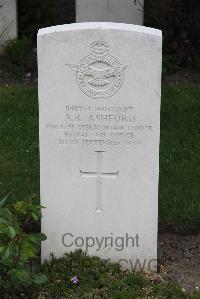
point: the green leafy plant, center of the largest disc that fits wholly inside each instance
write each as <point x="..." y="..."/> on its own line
<point x="19" y="247"/>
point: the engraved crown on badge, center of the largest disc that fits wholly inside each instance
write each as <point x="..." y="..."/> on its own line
<point x="99" y="47"/>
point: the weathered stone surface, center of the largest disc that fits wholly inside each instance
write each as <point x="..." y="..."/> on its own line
<point x="8" y="20"/>
<point x="121" y="11"/>
<point x="99" y="101"/>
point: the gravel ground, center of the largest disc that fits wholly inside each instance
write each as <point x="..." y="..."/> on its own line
<point x="179" y="259"/>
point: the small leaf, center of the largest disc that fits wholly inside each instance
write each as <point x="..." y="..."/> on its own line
<point x="2" y="220"/>
<point x="35" y="238"/>
<point x="11" y="232"/>
<point x="2" y="249"/>
<point x="6" y="200"/>
<point x="41" y="237"/>
<point x="6" y="254"/>
<point x="40" y="278"/>
<point x="3" y="228"/>
<point x="34" y="216"/>
<point x="28" y="250"/>
<point x="23" y="276"/>
<point x="43" y="207"/>
<point x="6" y="214"/>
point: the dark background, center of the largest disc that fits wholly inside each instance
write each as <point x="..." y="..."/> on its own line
<point x="178" y="19"/>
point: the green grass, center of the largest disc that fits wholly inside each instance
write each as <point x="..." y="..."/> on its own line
<point x="101" y="279"/>
<point x="19" y="151"/>
<point x="179" y="191"/>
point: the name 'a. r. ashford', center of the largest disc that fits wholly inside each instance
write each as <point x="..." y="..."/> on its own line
<point x="100" y="118"/>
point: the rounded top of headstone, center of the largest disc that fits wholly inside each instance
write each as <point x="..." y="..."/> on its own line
<point x="100" y="25"/>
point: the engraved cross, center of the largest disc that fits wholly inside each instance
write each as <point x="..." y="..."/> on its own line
<point x="99" y="175"/>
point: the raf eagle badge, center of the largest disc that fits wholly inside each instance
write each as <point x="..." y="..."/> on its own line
<point x="99" y="75"/>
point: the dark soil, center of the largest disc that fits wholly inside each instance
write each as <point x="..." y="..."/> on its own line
<point x="6" y="78"/>
<point x="179" y="259"/>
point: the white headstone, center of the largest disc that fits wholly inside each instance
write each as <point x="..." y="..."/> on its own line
<point x="121" y="11"/>
<point x="99" y="101"/>
<point x="8" y="20"/>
